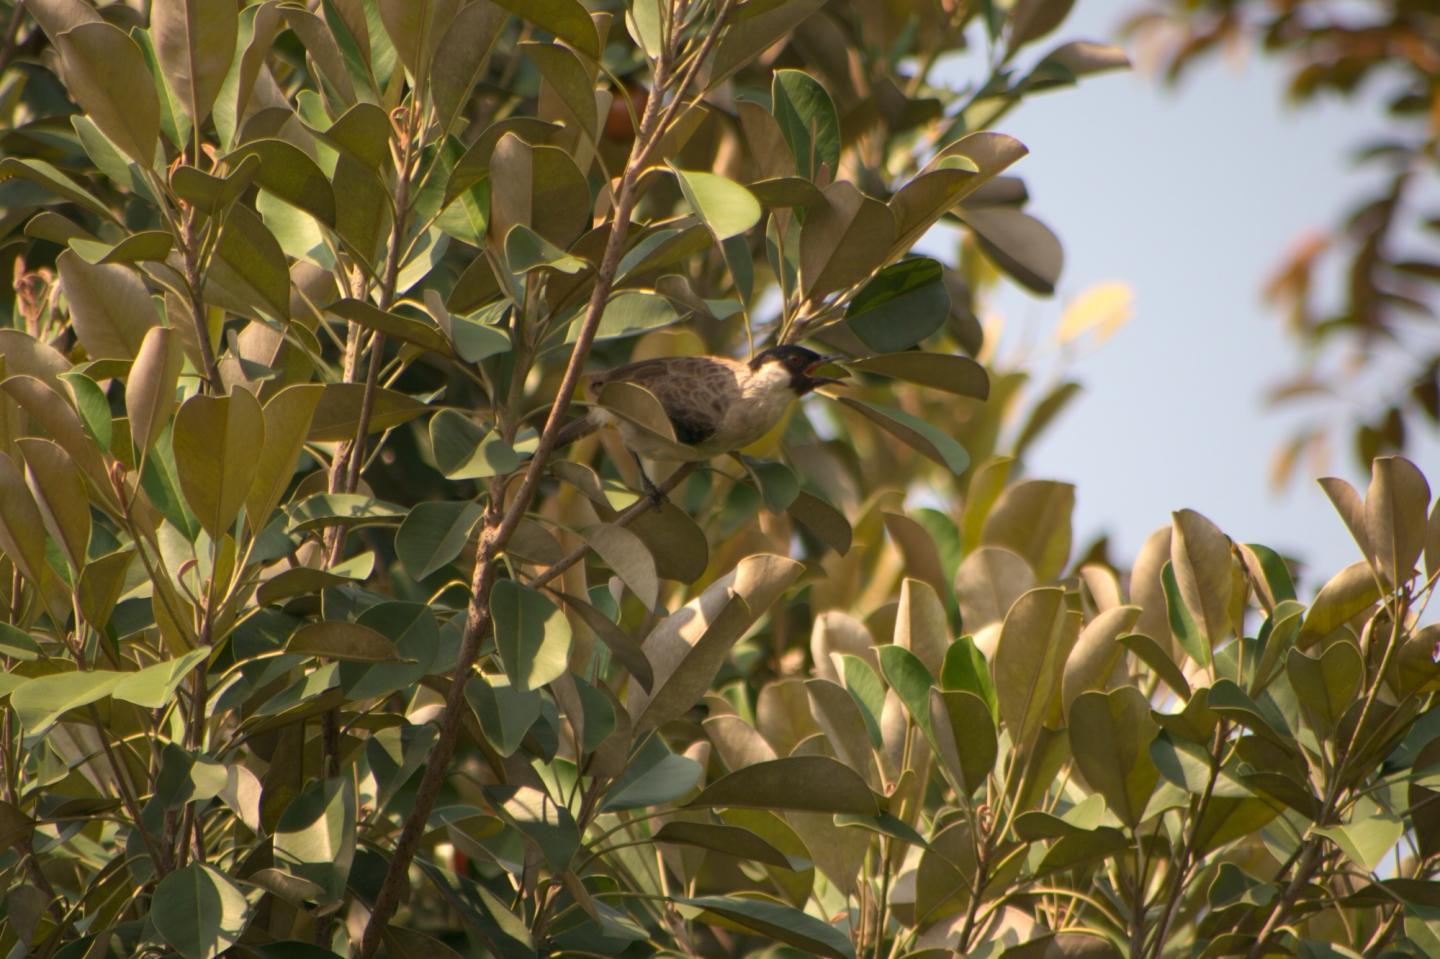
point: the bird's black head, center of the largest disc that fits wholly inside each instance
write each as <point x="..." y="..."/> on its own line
<point x="798" y="361"/>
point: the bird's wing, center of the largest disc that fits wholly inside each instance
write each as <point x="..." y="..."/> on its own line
<point x="695" y="391"/>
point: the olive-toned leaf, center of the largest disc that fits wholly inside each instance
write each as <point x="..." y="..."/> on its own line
<point x="1367" y="842"/>
<point x="1200" y="556"/>
<point x="807" y="119"/>
<point x="1032" y="519"/>
<point x="1035" y="642"/>
<point x="566" y="19"/>
<point x="60" y="494"/>
<point x="150" y="388"/>
<point x="347" y="642"/>
<point x="751" y="35"/>
<point x="802" y="783"/>
<point x="505" y="713"/>
<point x="1032" y="19"/>
<point x="109" y="307"/>
<point x="627" y="555"/>
<point x="688" y="647"/>
<point x="39" y="702"/>
<point x="54" y="181"/>
<point x="287" y="418"/>
<point x="27" y="356"/>
<point x="569" y="92"/>
<point x="461" y="57"/>
<point x="195" y="43"/>
<point x="199" y="911"/>
<point x="725" y="206"/>
<point x="348" y="510"/>
<point x="916" y="433"/>
<point x="783" y="923"/>
<point x="415" y="28"/>
<point x="154" y="686"/>
<point x="531" y="634"/>
<point x="843" y="241"/>
<point x="215" y="442"/>
<point x="921" y="625"/>
<point x="106" y="74"/>
<point x="22" y="534"/>
<point x="840" y="720"/>
<point x="896" y="309"/>
<point x="1110" y="737"/>
<point x="1326" y="685"/>
<point x="251" y="265"/>
<point x="539" y="187"/>
<point x="938" y="371"/>
<point x="145" y="245"/>
<point x="434" y="533"/>
<point x="1395" y="508"/>
<point x="57" y="419"/>
<point x="1149" y="652"/>
<point x="526" y="250"/>
<point x="315" y="835"/>
<point x="337" y="416"/>
<point x="289" y="173"/>
<point x="963" y="737"/>
<point x="729" y="840"/>
<point x="1096" y="652"/>
<point x="1080" y="58"/>
<point x="1347" y="594"/>
<point x="100" y="586"/>
<point x="823" y="520"/>
<point x="1019" y="244"/>
<point x="987" y="584"/>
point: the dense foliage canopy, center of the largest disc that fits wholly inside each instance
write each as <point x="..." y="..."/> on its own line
<point x="316" y="644"/>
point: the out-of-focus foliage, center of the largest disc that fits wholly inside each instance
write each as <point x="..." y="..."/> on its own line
<point x="1370" y="366"/>
<point x="316" y="645"/>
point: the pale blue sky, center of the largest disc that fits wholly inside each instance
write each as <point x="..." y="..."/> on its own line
<point x="1190" y="195"/>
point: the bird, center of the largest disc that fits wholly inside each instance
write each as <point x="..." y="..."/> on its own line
<point x="715" y="404"/>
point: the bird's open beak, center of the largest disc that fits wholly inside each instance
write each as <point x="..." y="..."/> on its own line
<point x="818" y="381"/>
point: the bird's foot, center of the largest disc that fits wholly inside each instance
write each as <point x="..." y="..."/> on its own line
<point x="657" y="496"/>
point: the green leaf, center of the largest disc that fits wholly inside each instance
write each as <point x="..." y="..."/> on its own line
<point x="337" y="416"/>
<point x="1035" y="641"/>
<point x="783" y="923"/>
<point x="465" y="450"/>
<point x="154" y="686"/>
<point x="61" y="496"/>
<point x="632" y="312"/>
<point x="195" y="43"/>
<point x="799" y="783"/>
<point x="725" y="206"/>
<point x="199" y="911"/>
<point x="109" y="307"/>
<point x="728" y="840"/>
<point x="539" y="187"/>
<point x="505" y="713"/>
<point x="1367" y="842"/>
<point x="1110" y="736"/>
<point x="434" y="533"/>
<point x="916" y="433"/>
<point x="627" y="555"/>
<point x="939" y="371"/>
<point x="688" y="647"/>
<point x="347" y="642"/>
<point x="911" y="681"/>
<point x="566" y="19"/>
<point x="654" y="775"/>
<point x="288" y="172"/>
<point x="1019" y="244"/>
<point x="1326" y="685"/>
<point x="287" y="416"/>
<point x="145" y="245"/>
<point x="39" y="702"/>
<point x="1182" y="624"/>
<point x="106" y="74"/>
<point x="461" y="58"/>
<point x="349" y="510"/>
<point x="150" y="388"/>
<point x="526" y="250"/>
<point x="963" y="735"/>
<point x="404" y="328"/>
<point x="808" y="121"/>
<point x="216" y="440"/>
<point x="531" y="634"/>
<point x="315" y="837"/>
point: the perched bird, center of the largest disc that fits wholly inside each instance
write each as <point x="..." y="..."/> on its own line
<point x="715" y="404"/>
